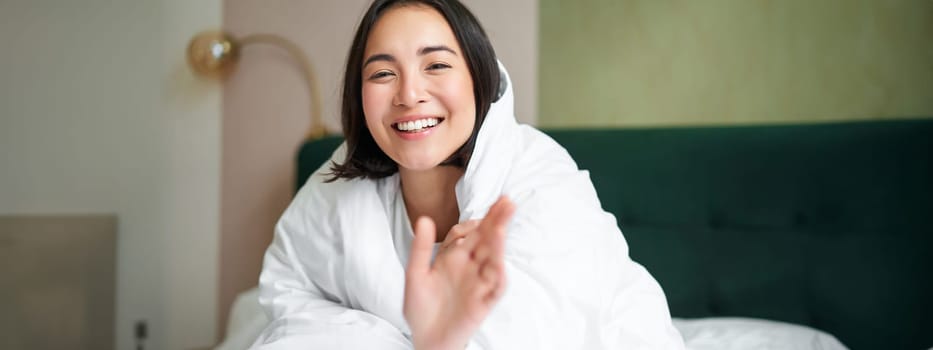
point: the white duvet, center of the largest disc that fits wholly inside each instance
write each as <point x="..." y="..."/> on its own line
<point x="247" y="320"/>
<point x="333" y="277"/>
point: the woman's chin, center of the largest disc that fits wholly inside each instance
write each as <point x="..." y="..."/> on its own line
<point x="420" y="163"/>
<point x="419" y="166"/>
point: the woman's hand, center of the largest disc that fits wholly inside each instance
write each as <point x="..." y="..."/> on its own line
<point x="458" y="234"/>
<point x="446" y="302"/>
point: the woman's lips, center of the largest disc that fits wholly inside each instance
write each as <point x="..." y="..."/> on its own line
<point x="417" y="124"/>
<point x="416" y="129"/>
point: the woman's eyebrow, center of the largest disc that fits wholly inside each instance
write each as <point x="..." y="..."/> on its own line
<point x="379" y="57"/>
<point x="423" y="51"/>
<point x="429" y="49"/>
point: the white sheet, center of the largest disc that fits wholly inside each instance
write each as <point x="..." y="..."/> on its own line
<point x="333" y="279"/>
<point x="247" y="320"/>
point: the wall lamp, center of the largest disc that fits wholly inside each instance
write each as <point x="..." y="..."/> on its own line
<point x="215" y="54"/>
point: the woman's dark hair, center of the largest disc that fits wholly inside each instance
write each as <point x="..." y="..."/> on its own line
<point x="364" y="157"/>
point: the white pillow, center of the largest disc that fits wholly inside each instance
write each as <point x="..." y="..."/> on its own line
<point x="735" y="333"/>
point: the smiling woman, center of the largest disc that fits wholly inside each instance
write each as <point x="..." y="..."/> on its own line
<point x="414" y="75"/>
<point x="437" y="201"/>
<point x="453" y="58"/>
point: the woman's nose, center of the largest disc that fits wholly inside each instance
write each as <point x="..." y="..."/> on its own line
<point x="411" y="91"/>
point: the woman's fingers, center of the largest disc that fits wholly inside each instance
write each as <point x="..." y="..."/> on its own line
<point x="489" y="251"/>
<point x="458" y="233"/>
<point x="489" y="273"/>
<point x="498" y="289"/>
<point x="466" y="226"/>
<point x="493" y="281"/>
<point x="491" y="242"/>
<point x="498" y="216"/>
<point x="484" y="242"/>
<point x="419" y="261"/>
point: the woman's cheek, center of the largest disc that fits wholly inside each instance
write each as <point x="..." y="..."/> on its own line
<point x="373" y="101"/>
<point x="458" y="93"/>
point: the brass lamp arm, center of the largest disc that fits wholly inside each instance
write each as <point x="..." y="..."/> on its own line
<point x="215" y="54"/>
<point x="317" y="125"/>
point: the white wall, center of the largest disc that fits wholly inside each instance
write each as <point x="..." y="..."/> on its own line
<point x="98" y="114"/>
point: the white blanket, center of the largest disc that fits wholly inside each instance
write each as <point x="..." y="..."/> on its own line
<point x="333" y="279"/>
<point x="247" y="321"/>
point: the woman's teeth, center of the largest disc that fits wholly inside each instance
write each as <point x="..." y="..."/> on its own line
<point x="417" y="125"/>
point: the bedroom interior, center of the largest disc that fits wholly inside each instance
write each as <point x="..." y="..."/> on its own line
<point x="683" y="91"/>
<point x="770" y="160"/>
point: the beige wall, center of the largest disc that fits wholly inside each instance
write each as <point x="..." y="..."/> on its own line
<point x="266" y="109"/>
<point x="645" y="62"/>
<point x="98" y="114"/>
<point x="512" y="26"/>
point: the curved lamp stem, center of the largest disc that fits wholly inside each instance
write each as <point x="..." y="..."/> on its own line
<point x="317" y="125"/>
<point x="215" y="54"/>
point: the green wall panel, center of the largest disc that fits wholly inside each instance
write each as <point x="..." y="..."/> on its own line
<point x="650" y="62"/>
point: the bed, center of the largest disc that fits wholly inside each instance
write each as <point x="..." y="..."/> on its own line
<point x="811" y="236"/>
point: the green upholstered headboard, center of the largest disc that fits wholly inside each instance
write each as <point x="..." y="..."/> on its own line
<point x="826" y="225"/>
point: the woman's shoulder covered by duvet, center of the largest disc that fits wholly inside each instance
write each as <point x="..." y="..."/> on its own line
<point x="571" y="281"/>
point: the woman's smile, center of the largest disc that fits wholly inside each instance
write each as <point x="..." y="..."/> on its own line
<point x="417" y="124"/>
<point x="416" y="127"/>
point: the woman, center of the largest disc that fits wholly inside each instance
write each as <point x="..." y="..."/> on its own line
<point x="431" y="140"/>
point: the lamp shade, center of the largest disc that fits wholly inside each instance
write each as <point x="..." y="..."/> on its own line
<point x="213" y="54"/>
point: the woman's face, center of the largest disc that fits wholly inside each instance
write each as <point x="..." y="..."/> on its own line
<point x="417" y="90"/>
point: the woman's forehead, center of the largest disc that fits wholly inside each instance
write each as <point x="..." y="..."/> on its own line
<point x="404" y="30"/>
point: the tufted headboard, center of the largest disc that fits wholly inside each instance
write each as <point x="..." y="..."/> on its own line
<point x="826" y="225"/>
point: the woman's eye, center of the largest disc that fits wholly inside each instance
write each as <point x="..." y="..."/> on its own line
<point x="380" y="75"/>
<point x="436" y="66"/>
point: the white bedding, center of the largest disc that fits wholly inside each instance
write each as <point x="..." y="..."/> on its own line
<point x="247" y="321"/>
<point x="733" y="333"/>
